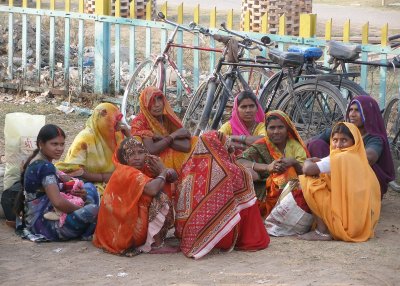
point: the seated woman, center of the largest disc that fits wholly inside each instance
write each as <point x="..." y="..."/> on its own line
<point x="247" y="122"/>
<point x="363" y="111"/>
<point x="90" y="155"/>
<point x="278" y="157"/>
<point x="134" y="214"/>
<point x="161" y="130"/>
<point x="215" y="203"/>
<point x="42" y="193"/>
<point x="345" y="208"/>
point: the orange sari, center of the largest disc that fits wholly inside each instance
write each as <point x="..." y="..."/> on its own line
<point x="276" y="182"/>
<point x="146" y="125"/>
<point x="123" y="219"/>
<point x="348" y="199"/>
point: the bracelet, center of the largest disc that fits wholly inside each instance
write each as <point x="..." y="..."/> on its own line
<point x="243" y="139"/>
<point x="252" y="166"/>
<point x="161" y="177"/>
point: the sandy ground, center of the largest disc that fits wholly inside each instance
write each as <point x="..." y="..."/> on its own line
<point x="287" y="261"/>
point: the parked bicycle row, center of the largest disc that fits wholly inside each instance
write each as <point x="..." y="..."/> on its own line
<point x="313" y="95"/>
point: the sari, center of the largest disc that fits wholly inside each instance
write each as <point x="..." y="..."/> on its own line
<point x="350" y="208"/>
<point x="128" y="218"/>
<point x="93" y="148"/>
<point x="374" y="126"/>
<point x="146" y="125"/>
<point x="215" y="202"/>
<point x="265" y="152"/>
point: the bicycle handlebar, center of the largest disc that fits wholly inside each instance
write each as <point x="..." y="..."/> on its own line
<point x="265" y="40"/>
<point x="161" y="16"/>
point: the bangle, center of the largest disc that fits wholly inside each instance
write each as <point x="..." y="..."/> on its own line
<point x="161" y="177"/>
<point x="252" y="166"/>
<point x="243" y="139"/>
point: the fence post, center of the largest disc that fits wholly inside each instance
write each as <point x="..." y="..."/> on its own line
<point x="102" y="48"/>
<point x="308" y="24"/>
<point x="364" y="56"/>
<point x="346" y="31"/>
<point x="383" y="70"/>
<point x="264" y="29"/>
<point x="328" y="37"/>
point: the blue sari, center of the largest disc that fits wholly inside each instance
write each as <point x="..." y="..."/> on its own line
<point x="80" y="223"/>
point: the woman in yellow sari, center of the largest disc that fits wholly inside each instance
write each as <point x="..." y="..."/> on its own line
<point x="346" y="196"/>
<point x="161" y="130"/>
<point x="278" y="157"/>
<point x="91" y="152"/>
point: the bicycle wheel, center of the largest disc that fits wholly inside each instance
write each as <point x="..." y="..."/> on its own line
<point x="348" y="88"/>
<point x="391" y="117"/>
<point x="269" y="89"/>
<point x="313" y="107"/>
<point x="148" y="73"/>
<point x="195" y="108"/>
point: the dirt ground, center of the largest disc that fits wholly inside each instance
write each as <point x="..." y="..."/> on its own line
<point x="287" y="261"/>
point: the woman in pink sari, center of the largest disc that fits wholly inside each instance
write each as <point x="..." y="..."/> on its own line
<point x="247" y="122"/>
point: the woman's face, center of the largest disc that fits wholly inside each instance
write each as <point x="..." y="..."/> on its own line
<point x="355" y="115"/>
<point x="341" y="141"/>
<point x="137" y="157"/>
<point x="247" y="110"/>
<point x="277" y="131"/>
<point x="157" y="106"/>
<point x="53" y="149"/>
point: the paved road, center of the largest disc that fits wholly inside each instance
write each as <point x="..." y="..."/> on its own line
<point x="358" y="15"/>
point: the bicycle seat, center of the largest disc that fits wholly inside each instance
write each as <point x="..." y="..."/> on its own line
<point x="343" y="51"/>
<point x="310" y="53"/>
<point x="286" y="59"/>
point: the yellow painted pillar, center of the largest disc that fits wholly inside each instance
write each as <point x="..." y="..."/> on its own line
<point x="328" y="30"/>
<point x="264" y="23"/>
<point x="164" y="9"/>
<point x="229" y="20"/>
<point x="246" y="26"/>
<point x="308" y="24"/>
<point x="346" y="31"/>
<point x="282" y="25"/>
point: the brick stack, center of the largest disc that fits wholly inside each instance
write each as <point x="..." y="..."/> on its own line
<point x="125" y="6"/>
<point x="275" y="8"/>
<point x="141" y="8"/>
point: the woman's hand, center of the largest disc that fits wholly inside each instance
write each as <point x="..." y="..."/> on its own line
<point x="80" y="193"/>
<point x="171" y="176"/>
<point x="123" y="128"/>
<point x="154" y="164"/>
<point x="157" y="138"/>
<point x="276" y="166"/>
<point x="181" y="133"/>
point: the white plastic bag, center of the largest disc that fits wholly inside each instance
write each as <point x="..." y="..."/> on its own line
<point x="287" y="218"/>
<point x="20" y="133"/>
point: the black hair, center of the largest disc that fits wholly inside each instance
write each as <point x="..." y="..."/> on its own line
<point x="246" y="94"/>
<point x="342" y="129"/>
<point x="120" y="156"/>
<point x="270" y="118"/>
<point x="46" y="133"/>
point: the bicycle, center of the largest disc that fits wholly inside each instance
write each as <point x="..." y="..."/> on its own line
<point x="207" y="107"/>
<point x="347" y="87"/>
<point x="153" y="71"/>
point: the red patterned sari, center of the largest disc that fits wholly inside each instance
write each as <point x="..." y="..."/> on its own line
<point x="216" y="203"/>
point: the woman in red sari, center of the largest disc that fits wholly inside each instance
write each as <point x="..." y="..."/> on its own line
<point x="216" y="203"/>
<point x="161" y="130"/>
<point x="135" y="213"/>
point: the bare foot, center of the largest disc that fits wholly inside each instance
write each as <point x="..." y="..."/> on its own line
<point x="132" y="252"/>
<point x="315" y="236"/>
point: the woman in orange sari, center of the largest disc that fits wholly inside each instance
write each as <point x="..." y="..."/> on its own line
<point x="216" y="204"/>
<point x="342" y="189"/>
<point x="135" y="213"/>
<point x="90" y="155"/>
<point x="161" y="130"/>
<point x="278" y="157"/>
